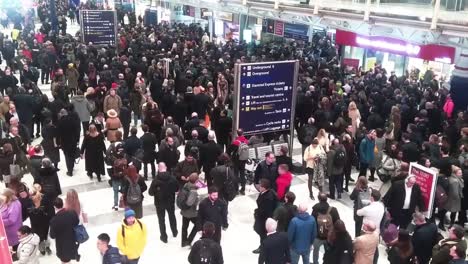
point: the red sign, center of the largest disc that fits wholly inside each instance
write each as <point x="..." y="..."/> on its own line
<point x="430" y="52"/>
<point x="426" y="179"/>
<point x="5" y="256"/>
<point x="279" y="28"/>
<point x="354" y="63"/>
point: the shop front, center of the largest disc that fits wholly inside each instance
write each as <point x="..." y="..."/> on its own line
<point x="280" y="29"/>
<point x="226" y="26"/>
<point x="394" y="54"/>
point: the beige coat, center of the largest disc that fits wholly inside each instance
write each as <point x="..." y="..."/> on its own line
<point x="364" y="248"/>
<point x="112" y="125"/>
<point x="112" y="102"/>
<point x="310" y="153"/>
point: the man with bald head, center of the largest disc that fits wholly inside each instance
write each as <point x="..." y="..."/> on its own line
<point x="275" y="247"/>
<point x="366" y="244"/>
<point x="302" y="231"/>
<point x="402" y="200"/>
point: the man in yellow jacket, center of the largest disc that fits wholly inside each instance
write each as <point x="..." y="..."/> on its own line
<point x="131" y="237"/>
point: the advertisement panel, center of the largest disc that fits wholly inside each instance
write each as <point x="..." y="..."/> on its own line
<point x="353" y="63"/>
<point x="266" y="96"/>
<point x="426" y="179"/>
<point x="99" y="27"/>
<point x="268" y="26"/>
<point x="279" y="28"/>
<point x="296" y="31"/>
<point x="5" y="257"/>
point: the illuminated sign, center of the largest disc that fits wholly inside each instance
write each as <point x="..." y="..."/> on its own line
<point x="407" y="48"/>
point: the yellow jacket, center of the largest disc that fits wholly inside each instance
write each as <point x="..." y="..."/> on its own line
<point x="131" y="240"/>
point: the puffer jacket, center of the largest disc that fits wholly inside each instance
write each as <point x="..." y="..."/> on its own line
<point x="28" y="249"/>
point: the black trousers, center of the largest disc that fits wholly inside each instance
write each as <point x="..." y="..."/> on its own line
<point x="363" y="169"/>
<point x="208" y="178"/>
<point x="185" y="225"/>
<point x="145" y="169"/>
<point x="161" y="212"/>
<point x="69" y="160"/>
<point x="85" y="126"/>
<point x="126" y="130"/>
<point x="335" y="181"/>
<point x="239" y="169"/>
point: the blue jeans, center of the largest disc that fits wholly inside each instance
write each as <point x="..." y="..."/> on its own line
<point x="116" y="188"/>
<point x="296" y="255"/>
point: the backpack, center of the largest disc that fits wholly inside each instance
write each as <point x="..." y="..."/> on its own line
<point x="340" y="158"/>
<point x="156" y="118"/>
<point x="324" y="224"/>
<point x="243" y="151"/>
<point x="181" y="199"/>
<point x="134" y="193"/>
<point x="195" y="151"/>
<point x="120" y="167"/>
<point x="231" y="185"/>
<point x="363" y="199"/>
<point x="309" y="136"/>
<point x="205" y="255"/>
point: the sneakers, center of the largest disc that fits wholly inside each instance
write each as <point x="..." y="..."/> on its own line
<point x="115" y="208"/>
<point x="256" y="251"/>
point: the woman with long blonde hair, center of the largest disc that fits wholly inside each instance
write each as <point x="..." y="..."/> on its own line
<point x="322" y="137"/>
<point x="10" y="211"/>
<point x="355" y="115"/>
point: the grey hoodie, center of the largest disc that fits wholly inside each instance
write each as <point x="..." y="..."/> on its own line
<point x="192" y="200"/>
<point x="82" y="107"/>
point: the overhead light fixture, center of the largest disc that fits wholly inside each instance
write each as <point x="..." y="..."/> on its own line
<point x="244" y="2"/>
<point x="276" y="6"/>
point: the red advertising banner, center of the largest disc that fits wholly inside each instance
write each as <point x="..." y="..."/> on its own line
<point x="279" y="28"/>
<point x="430" y="52"/>
<point x="5" y="256"/>
<point x="354" y="63"/>
<point x="426" y="179"/>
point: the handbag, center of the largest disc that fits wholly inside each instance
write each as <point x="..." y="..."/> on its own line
<point x="81" y="235"/>
<point x="382" y="173"/>
<point x="15" y="169"/>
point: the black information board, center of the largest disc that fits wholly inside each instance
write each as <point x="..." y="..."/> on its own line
<point x="99" y="27"/>
<point x="266" y="96"/>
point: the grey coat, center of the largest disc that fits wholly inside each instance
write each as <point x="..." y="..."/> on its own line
<point x="333" y="170"/>
<point x="192" y="201"/>
<point x="82" y="107"/>
<point x="455" y="194"/>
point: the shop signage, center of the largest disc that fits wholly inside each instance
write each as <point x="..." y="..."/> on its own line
<point x="265" y="99"/>
<point x="225" y="16"/>
<point x="205" y="14"/>
<point x="296" y="31"/>
<point x="279" y="28"/>
<point x="426" y="179"/>
<point x="99" y="27"/>
<point x="430" y="52"/>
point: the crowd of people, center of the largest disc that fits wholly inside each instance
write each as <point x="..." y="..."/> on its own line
<point x="177" y="86"/>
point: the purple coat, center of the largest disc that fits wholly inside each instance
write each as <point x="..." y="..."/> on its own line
<point x="12" y="219"/>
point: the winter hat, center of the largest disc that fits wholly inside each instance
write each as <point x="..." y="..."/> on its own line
<point x="129" y="213"/>
<point x="114" y="85"/>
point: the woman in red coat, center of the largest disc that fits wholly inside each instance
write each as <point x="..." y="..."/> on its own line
<point x="283" y="182"/>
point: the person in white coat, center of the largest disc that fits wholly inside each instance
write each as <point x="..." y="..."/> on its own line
<point x="28" y="247"/>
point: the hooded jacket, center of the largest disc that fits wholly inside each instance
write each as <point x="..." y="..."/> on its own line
<point x="112" y="256"/>
<point x="302" y="232"/>
<point x="82" y="107"/>
<point x="163" y="188"/>
<point x="27" y="250"/>
<point x="131" y="239"/>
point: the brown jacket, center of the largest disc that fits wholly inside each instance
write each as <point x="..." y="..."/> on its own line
<point x="364" y="248"/>
<point x="112" y="125"/>
<point x="112" y="102"/>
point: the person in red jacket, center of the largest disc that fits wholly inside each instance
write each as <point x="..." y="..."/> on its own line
<point x="283" y="182"/>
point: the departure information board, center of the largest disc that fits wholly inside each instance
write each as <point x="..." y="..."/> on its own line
<point x="99" y="27"/>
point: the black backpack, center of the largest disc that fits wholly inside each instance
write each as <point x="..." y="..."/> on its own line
<point x="340" y="158"/>
<point x="205" y="253"/>
<point x="231" y="185"/>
